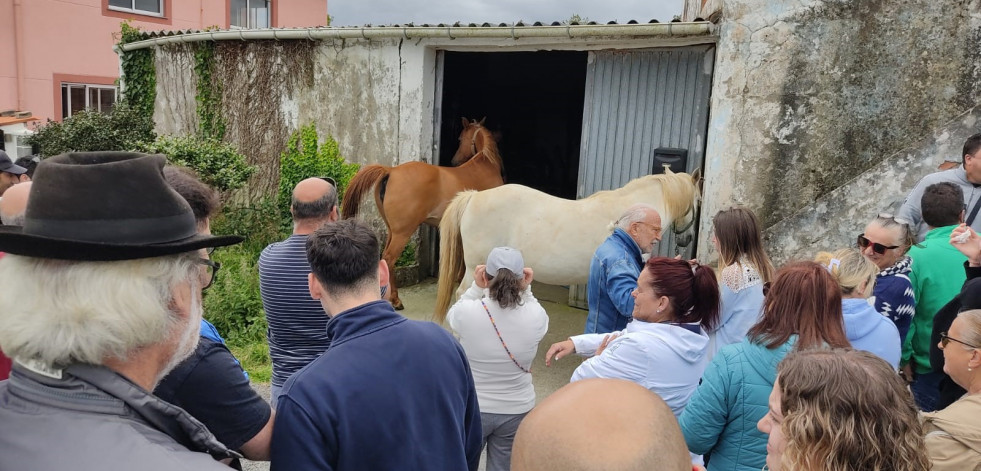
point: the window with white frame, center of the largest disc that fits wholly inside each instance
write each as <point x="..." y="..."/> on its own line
<point x="251" y="13"/>
<point x="143" y="7"/>
<point x="77" y="97"/>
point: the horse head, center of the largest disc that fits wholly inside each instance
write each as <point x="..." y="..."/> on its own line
<point x="473" y="138"/>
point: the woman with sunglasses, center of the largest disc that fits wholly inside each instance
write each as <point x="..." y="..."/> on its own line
<point x="885" y="242"/>
<point x="953" y="435"/>
<point x="802" y="310"/>
<point x="744" y="269"/>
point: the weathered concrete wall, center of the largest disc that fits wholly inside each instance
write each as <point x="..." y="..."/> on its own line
<point x="376" y="98"/>
<point x="835" y="219"/>
<point x="810" y="94"/>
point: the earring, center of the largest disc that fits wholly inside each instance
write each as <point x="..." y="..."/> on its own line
<point x="659" y="311"/>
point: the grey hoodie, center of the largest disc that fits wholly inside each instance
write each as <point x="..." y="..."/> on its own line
<point x="92" y="418"/>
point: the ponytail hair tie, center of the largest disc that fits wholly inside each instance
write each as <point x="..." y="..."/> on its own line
<point x="834" y="263"/>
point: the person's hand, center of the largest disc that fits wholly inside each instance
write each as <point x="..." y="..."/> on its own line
<point x="605" y="343"/>
<point x="559" y="350"/>
<point x="967" y="242"/>
<point x="907" y="372"/>
<point x="529" y="275"/>
<point x="480" y="276"/>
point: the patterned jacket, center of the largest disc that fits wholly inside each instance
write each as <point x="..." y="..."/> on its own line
<point x="893" y="295"/>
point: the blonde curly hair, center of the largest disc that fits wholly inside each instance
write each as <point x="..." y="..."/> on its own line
<point x="847" y="409"/>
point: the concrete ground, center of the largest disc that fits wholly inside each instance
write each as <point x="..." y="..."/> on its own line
<point x="564" y="321"/>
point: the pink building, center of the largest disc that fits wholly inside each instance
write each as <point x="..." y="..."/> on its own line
<point x="56" y="56"/>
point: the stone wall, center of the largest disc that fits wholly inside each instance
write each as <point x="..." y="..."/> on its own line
<point x="351" y="90"/>
<point x="825" y="112"/>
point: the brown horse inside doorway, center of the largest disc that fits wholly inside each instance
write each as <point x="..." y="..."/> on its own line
<point x="416" y="193"/>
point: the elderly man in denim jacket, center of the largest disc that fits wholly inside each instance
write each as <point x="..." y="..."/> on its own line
<point x="615" y="266"/>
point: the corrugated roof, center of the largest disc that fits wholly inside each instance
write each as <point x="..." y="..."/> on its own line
<point x="519" y="24"/>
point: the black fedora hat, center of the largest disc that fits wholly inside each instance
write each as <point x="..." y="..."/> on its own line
<point x="105" y="206"/>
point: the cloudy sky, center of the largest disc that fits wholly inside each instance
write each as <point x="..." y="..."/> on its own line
<point x="380" y="12"/>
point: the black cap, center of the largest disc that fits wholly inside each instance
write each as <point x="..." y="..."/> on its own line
<point x="7" y="166"/>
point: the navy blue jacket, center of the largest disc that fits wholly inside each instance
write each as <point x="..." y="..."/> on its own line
<point x="389" y="393"/>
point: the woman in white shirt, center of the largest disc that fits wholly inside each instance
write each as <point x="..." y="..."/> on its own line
<point x="499" y="323"/>
<point x="664" y="347"/>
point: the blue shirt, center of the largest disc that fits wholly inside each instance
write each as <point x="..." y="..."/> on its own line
<point x="297" y="323"/>
<point x="613" y="276"/>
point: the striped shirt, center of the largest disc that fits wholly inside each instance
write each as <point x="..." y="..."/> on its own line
<point x="297" y="323"/>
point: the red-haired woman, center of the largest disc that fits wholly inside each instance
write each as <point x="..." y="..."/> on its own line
<point x="664" y="347"/>
<point x="802" y="310"/>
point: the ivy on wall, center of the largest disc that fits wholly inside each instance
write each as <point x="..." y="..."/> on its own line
<point x="139" y="72"/>
<point x="209" y="89"/>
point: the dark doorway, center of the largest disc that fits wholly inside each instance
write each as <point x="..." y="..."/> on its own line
<point x="534" y="99"/>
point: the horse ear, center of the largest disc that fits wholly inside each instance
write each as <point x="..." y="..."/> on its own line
<point x="482" y="120"/>
<point x="696" y="177"/>
<point x="465" y="122"/>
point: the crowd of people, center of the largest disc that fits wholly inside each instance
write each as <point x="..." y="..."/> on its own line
<point x="865" y="357"/>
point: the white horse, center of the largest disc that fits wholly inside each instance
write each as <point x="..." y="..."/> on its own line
<point x="557" y="237"/>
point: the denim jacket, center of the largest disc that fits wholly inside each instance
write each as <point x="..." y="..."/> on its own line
<point x="613" y="276"/>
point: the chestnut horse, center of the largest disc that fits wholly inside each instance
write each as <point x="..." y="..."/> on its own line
<point x="415" y="193"/>
<point x="557" y="237"/>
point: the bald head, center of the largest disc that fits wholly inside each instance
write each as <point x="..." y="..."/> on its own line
<point x="14" y="203"/>
<point x="600" y="424"/>
<point x="314" y="200"/>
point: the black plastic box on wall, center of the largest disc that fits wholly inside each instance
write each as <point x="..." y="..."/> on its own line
<point x="676" y="159"/>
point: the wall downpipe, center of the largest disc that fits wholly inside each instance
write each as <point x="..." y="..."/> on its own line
<point x="19" y="51"/>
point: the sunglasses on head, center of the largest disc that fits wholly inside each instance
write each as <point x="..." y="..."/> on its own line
<point x="894" y="218"/>
<point x="876" y="247"/>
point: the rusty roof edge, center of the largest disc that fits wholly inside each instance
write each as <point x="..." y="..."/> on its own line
<point x="673" y="29"/>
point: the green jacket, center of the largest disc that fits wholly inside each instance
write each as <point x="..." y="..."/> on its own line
<point x="937" y="277"/>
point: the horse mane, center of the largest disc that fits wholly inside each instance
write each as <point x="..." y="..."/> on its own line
<point x="677" y="189"/>
<point x="490" y="150"/>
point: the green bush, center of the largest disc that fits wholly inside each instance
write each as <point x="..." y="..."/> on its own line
<point x="139" y="73"/>
<point x="306" y="157"/>
<point x="218" y="163"/>
<point x="234" y="303"/>
<point x="123" y="128"/>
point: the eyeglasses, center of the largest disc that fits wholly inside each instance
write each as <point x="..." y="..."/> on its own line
<point x="876" y="247"/>
<point x="657" y="229"/>
<point x="330" y="180"/>
<point x="945" y="339"/>
<point x="766" y="288"/>
<point x="212" y="268"/>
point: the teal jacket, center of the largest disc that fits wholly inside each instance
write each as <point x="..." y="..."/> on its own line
<point x="937" y="277"/>
<point x="734" y="395"/>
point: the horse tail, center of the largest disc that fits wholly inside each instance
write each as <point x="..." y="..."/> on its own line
<point x="451" y="263"/>
<point x="360" y="185"/>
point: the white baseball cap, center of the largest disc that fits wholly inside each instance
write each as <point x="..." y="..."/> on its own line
<point x="505" y="257"/>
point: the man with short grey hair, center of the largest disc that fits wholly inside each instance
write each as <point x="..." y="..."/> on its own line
<point x="615" y="267"/>
<point x="101" y="299"/>
<point x="297" y="330"/>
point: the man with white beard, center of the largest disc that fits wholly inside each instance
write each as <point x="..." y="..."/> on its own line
<point x="101" y="299"/>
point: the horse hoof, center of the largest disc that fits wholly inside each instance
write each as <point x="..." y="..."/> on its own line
<point x="398" y="305"/>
